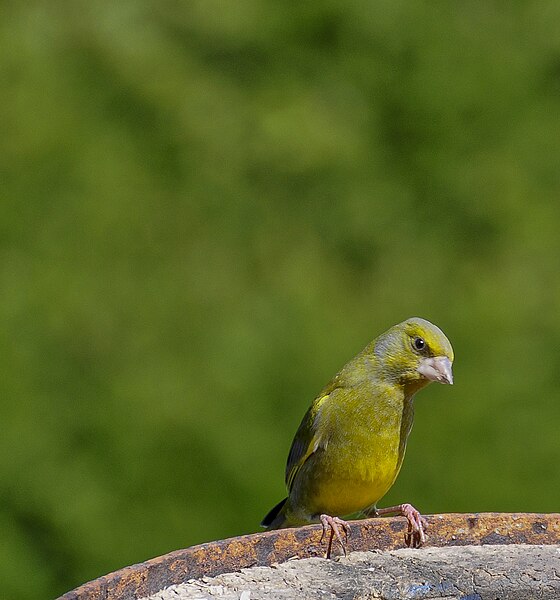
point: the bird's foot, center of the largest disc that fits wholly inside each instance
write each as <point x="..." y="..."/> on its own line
<point x="417" y="525"/>
<point x="334" y="524"/>
<point x="415" y="536"/>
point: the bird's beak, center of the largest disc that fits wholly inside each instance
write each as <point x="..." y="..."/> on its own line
<point x="437" y="368"/>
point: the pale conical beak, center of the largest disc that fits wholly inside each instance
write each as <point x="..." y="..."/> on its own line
<point x="437" y="368"/>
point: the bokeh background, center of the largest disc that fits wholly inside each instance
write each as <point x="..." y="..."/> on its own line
<point x="209" y="207"/>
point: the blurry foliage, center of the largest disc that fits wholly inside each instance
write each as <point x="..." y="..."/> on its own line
<point x="208" y="207"/>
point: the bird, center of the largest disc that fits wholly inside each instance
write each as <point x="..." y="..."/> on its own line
<point x="350" y="445"/>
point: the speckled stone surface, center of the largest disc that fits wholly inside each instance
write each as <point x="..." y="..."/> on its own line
<point x="518" y="572"/>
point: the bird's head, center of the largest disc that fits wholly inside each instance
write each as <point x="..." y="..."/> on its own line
<point x="414" y="353"/>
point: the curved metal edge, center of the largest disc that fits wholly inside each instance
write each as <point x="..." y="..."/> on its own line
<point x="264" y="549"/>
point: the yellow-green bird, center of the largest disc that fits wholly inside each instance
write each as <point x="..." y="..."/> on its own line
<point x="350" y="445"/>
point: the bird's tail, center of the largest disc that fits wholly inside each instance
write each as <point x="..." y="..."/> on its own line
<point x="275" y="517"/>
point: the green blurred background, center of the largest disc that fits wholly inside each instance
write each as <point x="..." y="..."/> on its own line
<point x="209" y="207"/>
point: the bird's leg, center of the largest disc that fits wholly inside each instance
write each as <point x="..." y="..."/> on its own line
<point x="333" y="524"/>
<point x="415" y="536"/>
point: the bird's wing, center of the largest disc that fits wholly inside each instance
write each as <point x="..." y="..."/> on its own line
<point x="308" y="439"/>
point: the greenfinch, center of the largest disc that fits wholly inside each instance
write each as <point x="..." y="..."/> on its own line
<point x="350" y="445"/>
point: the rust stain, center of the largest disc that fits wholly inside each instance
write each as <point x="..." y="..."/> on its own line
<point x="263" y="549"/>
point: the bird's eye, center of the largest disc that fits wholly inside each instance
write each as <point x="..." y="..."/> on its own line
<point x="418" y="343"/>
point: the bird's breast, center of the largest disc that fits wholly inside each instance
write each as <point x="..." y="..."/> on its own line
<point x="361" y="457"/>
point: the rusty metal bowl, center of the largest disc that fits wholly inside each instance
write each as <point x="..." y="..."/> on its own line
<point x="264" y="549"/>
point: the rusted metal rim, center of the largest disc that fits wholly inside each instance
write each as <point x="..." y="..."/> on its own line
<point x="263" y="549"/>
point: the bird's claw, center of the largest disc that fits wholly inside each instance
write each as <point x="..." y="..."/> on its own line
<point x="334" y="524"/>
<point x="415" y="536"/>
